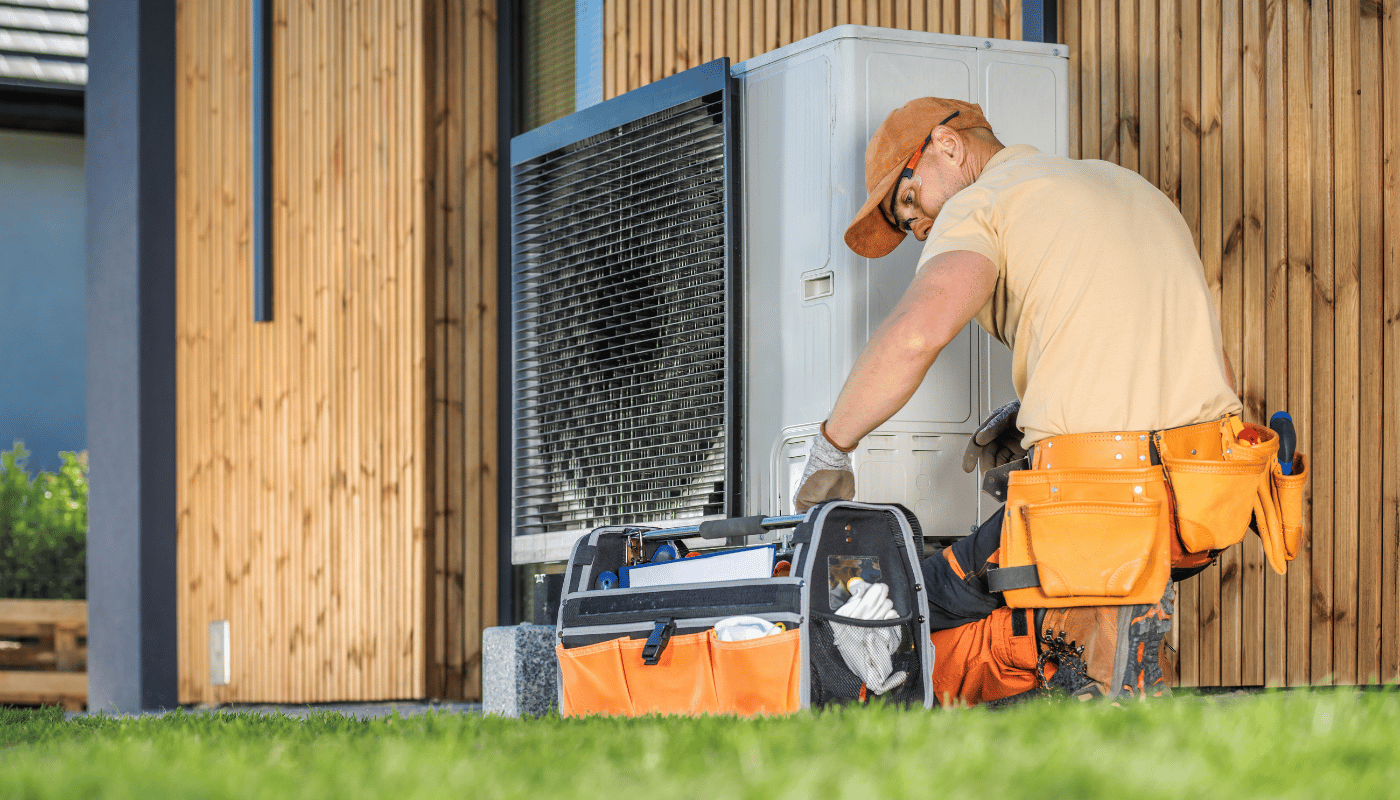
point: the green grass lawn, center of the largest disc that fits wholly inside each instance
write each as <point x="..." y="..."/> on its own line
<point x="1325" y="743"/>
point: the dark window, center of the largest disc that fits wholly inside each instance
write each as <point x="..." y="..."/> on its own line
<point x="545" y="85"/>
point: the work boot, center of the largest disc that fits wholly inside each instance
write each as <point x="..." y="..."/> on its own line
<point x="1106" y="651"/>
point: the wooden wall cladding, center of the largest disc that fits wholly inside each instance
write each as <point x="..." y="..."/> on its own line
<point x="462" y="259"/>
<point x="304" y="490"/>
<point x="646" y="40"/>
<point x="1275" y="127"/>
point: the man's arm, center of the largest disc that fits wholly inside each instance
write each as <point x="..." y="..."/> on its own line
<point x="947" y="292"/>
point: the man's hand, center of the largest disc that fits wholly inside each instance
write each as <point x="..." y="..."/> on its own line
<point x="828" y="476"/>
<point x="997" y="440"/>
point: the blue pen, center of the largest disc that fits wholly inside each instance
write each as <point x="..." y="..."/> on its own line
<point x="1282" y="424"/>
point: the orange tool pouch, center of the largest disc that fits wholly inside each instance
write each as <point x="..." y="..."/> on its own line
<point x="695" y="674"/>
<point x="1221" y="473"/>
<point x="1094" y="522"/>
<point x="1088" y="525"/>
<point x="1278" y="512"/>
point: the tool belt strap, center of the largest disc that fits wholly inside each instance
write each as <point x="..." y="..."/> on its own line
<point x="1006" y="578"/>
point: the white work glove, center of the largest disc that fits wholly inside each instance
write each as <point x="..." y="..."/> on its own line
<point x="867" y="651"/>
<point x="997" y="440"/>
<point x="828" y="476"/>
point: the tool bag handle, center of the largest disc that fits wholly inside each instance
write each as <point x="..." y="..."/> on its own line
<point x="726" y="528"/>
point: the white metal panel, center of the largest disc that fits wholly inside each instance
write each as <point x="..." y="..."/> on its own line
<point x="808" y="111"/>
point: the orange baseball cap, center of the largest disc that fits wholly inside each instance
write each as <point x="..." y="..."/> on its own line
<point x="893" y="145"/>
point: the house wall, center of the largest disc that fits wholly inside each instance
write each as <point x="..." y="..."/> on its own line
<point x="305" y="482"/>
<point x="42" y="288"/>
<point x="462" y="262"/>
<point x="1273" y="124"/>
<point x="338" y="464"/>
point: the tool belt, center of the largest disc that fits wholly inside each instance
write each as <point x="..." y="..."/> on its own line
<point x="1101" y="518"/>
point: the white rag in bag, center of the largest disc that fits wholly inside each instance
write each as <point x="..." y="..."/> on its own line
<point x="868" y="651"/>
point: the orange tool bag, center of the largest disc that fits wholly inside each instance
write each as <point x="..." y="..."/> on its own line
<point x="628" y="650"/>
<point x="1102" y="518"/>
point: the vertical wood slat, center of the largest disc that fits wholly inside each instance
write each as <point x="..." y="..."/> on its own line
<point x="1322" y="347"/>
<point x="1146" y="128"/>
<point x="1128" y="58"/>
<point x="1107" y="131"/>
<point x="1069" y="17"/>
<point x="1266" y="300"/>
<point x="1253" y="319"/>
<point x="1298" y="77"/>
<point x="1190" y="614"/>
<point x="1390" y="439"/>
<point x="299" y="349"/>
<point x="1370" y="103"/>
<point x="488" y="311"/>
<point x="1278" y="368"/>
<point x="1231" y="255"/>
<point x="1345" y="25"/>
<point x="1089" y="77"/>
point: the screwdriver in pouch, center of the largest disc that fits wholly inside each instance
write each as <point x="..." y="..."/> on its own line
<point x="1282" y="424"/>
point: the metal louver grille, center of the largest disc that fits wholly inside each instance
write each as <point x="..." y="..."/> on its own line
<point x="622" y="316"/>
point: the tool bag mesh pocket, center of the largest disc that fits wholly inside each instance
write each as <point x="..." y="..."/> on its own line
<point x="833" y="682"/>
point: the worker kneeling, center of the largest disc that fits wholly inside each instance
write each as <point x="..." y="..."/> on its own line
<point x="1125" y="466"/>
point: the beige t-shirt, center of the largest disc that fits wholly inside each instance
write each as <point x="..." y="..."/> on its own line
<point x="1100" y="295"/>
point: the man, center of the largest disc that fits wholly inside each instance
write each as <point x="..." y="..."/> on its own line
<point x="1089" y="274"/>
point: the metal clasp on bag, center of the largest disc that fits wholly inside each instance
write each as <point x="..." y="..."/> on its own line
<point x="656" y="642"/>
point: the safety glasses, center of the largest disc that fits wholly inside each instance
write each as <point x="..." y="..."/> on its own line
<point x="907" y="225"/>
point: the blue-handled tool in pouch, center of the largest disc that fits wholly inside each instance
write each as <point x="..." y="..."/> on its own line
<point x="1282" y="424"/>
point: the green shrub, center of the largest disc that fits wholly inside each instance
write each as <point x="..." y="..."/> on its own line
<point x="43" y="528"/>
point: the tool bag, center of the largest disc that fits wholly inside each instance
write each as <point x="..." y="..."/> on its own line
<point x="632" y="651"/>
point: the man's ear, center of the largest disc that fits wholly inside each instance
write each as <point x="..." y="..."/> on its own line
<point x="949" y="144"/>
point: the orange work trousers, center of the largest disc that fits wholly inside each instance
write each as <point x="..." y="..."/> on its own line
<point x="985" y="660"/>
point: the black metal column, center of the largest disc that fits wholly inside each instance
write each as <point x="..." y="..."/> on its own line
<point x="131" y="355"/>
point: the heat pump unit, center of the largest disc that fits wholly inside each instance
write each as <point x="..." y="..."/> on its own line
<point x="685" y="309"/>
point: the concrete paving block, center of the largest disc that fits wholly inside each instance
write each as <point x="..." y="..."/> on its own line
<point x="519" y="670"/>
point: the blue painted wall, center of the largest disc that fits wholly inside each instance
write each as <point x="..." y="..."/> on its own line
<point x="43" y="384"/>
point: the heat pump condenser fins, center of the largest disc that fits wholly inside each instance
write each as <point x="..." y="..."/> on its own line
<point x="621" y="259"/>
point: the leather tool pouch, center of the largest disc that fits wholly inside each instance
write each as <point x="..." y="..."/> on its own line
<point x="1084" y="537"/>
<point x="1278" y="512"/>
<point x="1214" y="471"/>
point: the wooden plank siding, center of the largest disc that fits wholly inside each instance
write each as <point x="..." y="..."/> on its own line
<point x="1274" y="125"/>
<point x="321" y="454"/>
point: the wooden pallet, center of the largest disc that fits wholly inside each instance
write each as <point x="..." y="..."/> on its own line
<point x="43" y="653"/>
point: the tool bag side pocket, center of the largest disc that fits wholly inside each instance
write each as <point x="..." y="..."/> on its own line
<point x="1083" y="538"/>
<point x="758" y="676"/>
<point x="593" y="681"/>
<point x="680" y="682"/>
